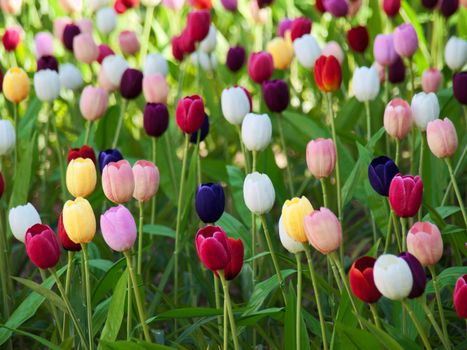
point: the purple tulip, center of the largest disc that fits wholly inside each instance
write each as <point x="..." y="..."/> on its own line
<point x="235" y="58"/>
<point x="107" y="156"/>
<point x="405" y="40"/>
<point x="381" y="171"/>
<point x="118" y="228"/>
<point x="131" y="84"/>
<point x="418" y="275"/>
<point x="284" y="25"/>
<point x="337" y="8"/>
<point x="47" y="62"/>
<point x="276" y="95"/>
<point x="459" y="86"/>
<point x="210" y="202"/>
<point x="204" y="129"/>
<point x="230" y="5"/>
<point x="429" y="4"/>
<point x="69" y="33"/>
<point x="449" y="7"/>
<point x="156" y="119"/>
<point x="397" y="71"/>
<point x="383" y="49"/>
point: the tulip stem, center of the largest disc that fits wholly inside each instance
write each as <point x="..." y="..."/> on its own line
<point x="439" y="302"/>
<point x="388" y="233"/>
<point x="335" y="273"/>
<point x="4" y="269"/>
<point x="129" y="309"/>
<point x="420" y="330"/>
<point x="456" y="170"/>
<point x="226" y="325"/>
<point x="374" y="311"/>
<point x="84" y="251"/>
<point x="404" y="232"/>
<point x="396" y="230"/>
<point x="218" y="302"/>
<point x="146" y="32"/>
<point x="69" y="272"/>
<point x="52" y="308"/>
<point x="253" y="247"/>
<point x="254" y="154"/>
<point x="412" y="78"/>
<point x="233" y="328"/>
<point x="168" y="147"/>
<point x="420" y="164"/>
<point x="456" y="189"/>
<point x="398" y="146"/>
<point x="368" y="121"/>
<point x="16" y="120"/>
<point x="136" y="291"/>
<point x="284" y="149"/>
<point x="316" y="292"/>
<point x="73" y="317"/>
<point x="438" y="331"/>
<point x="245" y="154"/>
<point x="153" y="200"/>
<point x="325" y="193"/>
<point x="273" y="256"/>
<point x="298" y="315"/>
<point x="123" y="105"/>
<point x="60" y="160"/>
<point x="88" y="132"/>
<point x="140" y="237"/>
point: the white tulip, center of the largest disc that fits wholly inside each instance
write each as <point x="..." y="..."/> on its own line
<point x="95" y="5"/>
<point x="7" y="136"/>
<point x="455" y="53"/>
<point x="155" y="63"/>
<point x="47" y="85"/>
<point x="393" y="277"/>
<point x="307" y="50"/>
<point x="21" y="218"/>
<point x="235" y="104"/>
<point x="365" y="83"/>
<point x="258" y="193"/>
<point x="288" y="242"/>
<point x="425" y="108"/>
<point x="70" y="76"/>
<point x="209" y="43"/>
<point x="207" y="62"/>
<point x="114" y="66"/>
<point x="256" y="131"/>
<point x="106" y="20"/>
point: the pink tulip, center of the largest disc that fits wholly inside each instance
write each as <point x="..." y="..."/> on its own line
<point x="93" y="102"/>
<point x="118" y="181"/>
<point x="442" y="137"/>
<point x="155" y="88"/>
<point x="128" y="41"/>
<point x="85" y="25"/>
<point x="104" y="51"/>
<point x="383" y="49"/>
<point x="118" y="228"/>
<point x="321" y="157"/>
<point x="59" y="26"/>
<point x="175" y="5"/>
<point x="332" y="48"/>
<point x="425" y="243"/>
<point x="431" y="80"/>
<point x="323" y="230"/>
<point x="398" y="118"/>
<point x="405" y="40"/>
<point x="11" y="7"/>
<point x="44" y="44"/>
<point x="84" y="48"/>
<point x="72" y="6"/>
<point x="147" y="179"/>
<point x="354" y="7"/>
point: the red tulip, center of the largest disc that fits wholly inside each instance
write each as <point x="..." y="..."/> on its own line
<point x="190" y="113"/>
<point x="460" y="296"/>
<point x="405" y="195"/>
<point x="328" y="74"/>
<point x="391" y="7"/>
<point x="84" y="152"/>
<point x="361" y="280"/>
<point x="198" y="24"/>
<point x="260" y="66"/>
<point x="201" y="4"/>
<point x="358" y="38"/>
<point x="11" y="38"/>
<point x="213" y="248"/>
<point x="65" y="241"/>
<point x="300" y="26"/>
<point x="319" y="4"/>
<point x="177" y="51"/>
<point x="186" y="42"/>
<point x="42" y="246"/>
<point x="235" y="264"/>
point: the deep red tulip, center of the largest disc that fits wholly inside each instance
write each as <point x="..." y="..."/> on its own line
<point x="131" y="84"/>
<point x="391" y="7"/>
<point x="65" y="241"/>
<point x="319" y="4"/>
<point x="177" y="51"/>
<point x="235" y="264"/>
<point x="328" y="74"/>
<point x="11" y="38"/>
<point x="260" y="66"/>
<point x="460" y="296"/>
<point x="300" y="26"/>
<point x="42" y="246"/>
<point x="2" y="185"/>
<point x="84" y="152"/>
<point x="405" y="195"/>
<point x="361" y="280"/>
<point x="198" y="24"/>
<point x="190" y="113"/>
<point x="201" y="4"/>
<point x="358" y="38"/>
<point x="213" y="248"/>
<point x="186" y="43"/>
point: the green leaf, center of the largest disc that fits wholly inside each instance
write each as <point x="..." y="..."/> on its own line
<point x="447" y="277"/>
<point x="38" y="339"/>
<point x="236" y="178"/>
<point x="107" y="281"/>
<point x="236" y="229"/>
<point x="159" y="230"/>
<point x="255" y="317"/>
<point x="129" y="345"/>
<point x="354" y="338"/>
<point x="188" y="312"/>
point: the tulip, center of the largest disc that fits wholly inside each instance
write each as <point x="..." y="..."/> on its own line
<point x="358" y="38"/>
<point x="405" y="40"/>
<point x="2" y="185"/>
<point x="459" y="82"/>
<point x="84" y="152"/>
<point x="81" y="177"/>
<point x="256" y="131"/>
<point x="198" y="24"/>
<point x="43" y="44"/>
<point x="281" y="51"/>
<point x="155" y="64"/>
<point x="284" y="25"/>
<point x="258" y="193"/>
<point x="361" y="280"/>
<point x="174" y="5"/>
<point x="106" y="20"/>
<point x="209" y="202"/>
<point x="155" y="119"/>
<point x="328" y="74"/>
<point x="229" y="5"/>
<point x="291" y="245"/>
<point x="93" y="102"/>
<point x="391" y="7"/>
<point x="12" y="38"/>
<point x="114" y="68"/>
<point x="306" y="50"/>
<point x="321" y="157"/>
<point x="319" y="4"/>
<point x="155" y="88"/>
<point x="393" y="277"/>
<point x="118" y="181"/>
<point x="323" y="230"/>
<point x="209" y="43"/>
<point x="42" y="246"/>
<point x="455" y="53"/>
<point x="129" y="43"/>
<point x="63" y="238"/>
<point x="425" y="243"/>
<point x="431" y="80"/>
<point x="203" y="131"/>
<point x="294" y="212"/>
<point x="85" y="25"/>
<point x="72" y="6"/>
<point x="276" y="95"/>
<point x="122" y="6"/>
<point x="235" y="58"/>
<point x="147" y="179"/>
<point x="396" y="71"/>
<point x="47" y="62"/>
<point x="208" y="62"/>
<point x="131" y="83"/>
<point x="235" y="104"/>
<point x="381" y="171"/>
<point x="16" y="85"/>
<point x="337" y="8"/>
<point x="21" y="218"/>
<point x="425" y="108"/>
<point x="442" y="138"/>
<point x="383" y="49"/>
<point x="405" y="195"/>
<point x="263" y="3"/>
<point x="118" y="228"/>
<point x="11" y="7"/>
<point x="333" y="48"/>
<point x="84" y="48"/>
<point x="104" y="81"/>
<point x="69" y="33"/>
<point x="47" y="85"/>
<point x="7" y="136"/>
<point x="104" y="51"/>
<point x="177" y="51"/>
<point x="260" y="66"/>
<point x="213" y="248"/>
<point x="300" y="26"/>
<point x="79" y="220"/>
<point x="70" y="76"/>
<point x="59" y="26"/>
<point x="190" y="113"/>
<point x="460" y="296"/>
<point x="418" y="275"/>
<point x="430" y="4"/>
<point x="108" y="156"/>
<point x="398" y="118"/>
<point x="365" y="83"/>
<point x="235" y="264"/>
<point x="449" y="7"/>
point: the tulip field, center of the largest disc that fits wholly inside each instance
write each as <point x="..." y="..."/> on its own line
<point x="233" y="174"/>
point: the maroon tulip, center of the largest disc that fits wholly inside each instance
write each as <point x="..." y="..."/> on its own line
<point x="69" y="33"/>
<point x="235" y="58"/>
<point x="131" y="84"/>
<point x="104" y="51"/>
<point x="264" y="3"/>
<point x="84" y="152"/>
<point x="396" y="71"/>
<point x="155" y="119"/>
<point x="235" y="264"/>
<point x="198" y="23"/>
<point x="276" y="95"/>
<point x="300" y="26"/>
<point x="459" y="87"/>
<point x="260" y="66"/>
<point x="460" y="296"/>
<point x="65" y="241"/>
<point x="190" y="113"/>
<point x="42" y="246"/>
<point x="213" y="248"/>
<point x="319" y="4"/>
<point x="2" y="185"/>
<point x="47" y="62"/>
<point x="429" y="4"/>
<point x="358" y="38"/>
<point x="11" y="38"/>
<point x="449" y="7"/>
<point x="405" y="195"/>
<point x="391" y="7"/>
<point x="361" y="280"/>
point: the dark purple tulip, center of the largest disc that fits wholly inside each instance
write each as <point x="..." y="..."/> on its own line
<point x="429" y="4"/>
<point x="156" y="119"/>
<point x="210" y="202"/>
<point x="235" y="58"/>
<point x="418" y="274"/>
<point x="230" y="5"/>
<point x="284" y="25"/>
<point x="264" y="3"/>
<point x="107" y="156"/>
<point x="47" y="62"/>
<point x="381" y="171"/>
<point x="337" y="8"/>
<point x="459" y="86"/>
<point x="276" y="95"/>
<point x="397" y="71"/>
<point x="69" y="33"/>
<point x="449" y="7"/>
<point x="131" y="84"/>
<point x="204" y="131"/>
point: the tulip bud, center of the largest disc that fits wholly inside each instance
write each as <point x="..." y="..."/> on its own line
<point x="306" y="50"/>
<point x="323" y="230"/>
<point x="449" y="7"/>
<point x="235" y="58"/>
<point x="459" y="87"/>
<point x="460" y="296"/>
<point x="418" y="275"/>
<point x="84" y="152"/>
<point x="63" y="238"/>
<point x="328" y="74"/>
<point x="235" y="104"/>
<point x="235" y="264"/>
<point x="47" y="85"/>
<point x="425" y="243"/>
<point x="291" y="245"/>
<point x="405" y="195"/>
<point x="84" y="48"/>
<point x="177" y="51"/>
<point x="405" y="40"/>
<point x="276" y="95"/>
<point x="256" y="131"/>
<point x="319" y="4"/>
<point x="209" y="202"/>
<point x="155" y="64"/>
<point x="147" y="179"/>
<point x="107" y="156"/>
<point x="104" y="51"/>
<point x="93" y="102"/>
<point x="85" y="25"/>
<point x="455" y="53"/>
<point x="122" y="6"/>
<point x="358" y="38"/>
<point x="81" y="177"/>
<point x="21" y="218"/>
<point x="104" y="81"/>
<point x="2" y="185"/>
<point x="59" y="26"/>
<point x="47" y="62"/>
<point x="70" y="76"/>
<point x="198" y="23"/>
<point x="294" y="212"/>
<point x="333" y="48"/>
<point x="213" y="248"/>
<point x="258" y="193"/>
<point x="284" y="25"/>
<point x="129" y="43"/>
<point x="12" y="38"/>
<point x="442" y="138"/>
<point x="429" y="4"/>
<point x="398" y="118"/>
<point x="156" y="119"/>
<point x="16" y="85"/>
<point x="361" y="280"/>
<point x="43" y="44"/>
<point x="230" y="5"/>
<point x="106" y="20"/>
<point x="202" y="131"/>
<point x="391" y="7"/>
<point x="209" y="43"/>
<point x="383" y="49"/>
<point x="393" y="277"/>
<point x="118" y="181"/>
<point x="131" y="83"/>
<point x="190" y="113"/>
<point x="365" y="83"/>
<point x="260" y="66"/>
<point x="281" y="51"/>
<point x="118" y="228"/>
<point x="321" y="157"/>
<point x="425" y="108"/>
<point x="337" y="8"/>
<point x="79" y="220"/>
<point x="381" y="171"/>
<point x="7" y="137"/>
<point x="431" y="80"/>
<point x="69" y="32"/>
<point x="42" y="246"/>
<point x="299" y="27"/>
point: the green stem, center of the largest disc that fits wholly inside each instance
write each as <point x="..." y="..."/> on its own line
<point x="375" y="315"/>
<point x="52" y="308"/>
<point x="404" y="233"/>
<point x="388" y="233"/>
<point x="146" y="32"/>
<point x="422" y="334"/>
<point x="398" y="146"/>
<point x="129" y="309"/>
<point x="254" y="154"/>
<point x="16" y="120"/>
<point x="325" y="194"/>
<point x="456" y="170"/>
<point x="335" y="274"/>
<point x="140" y="238"/>
<point x="58" y="149"/>
<point x="233" y="327"/>
<point x="153" y="200"/>
<point x="284" y="149"/>
<point x="218" y="302"/>
<point x="298" y="315"/>
<point x="168" y="147"/>
<point x="4" y="268"/>
<point x="438" y="330"/>
<point x="439" y="302"/>
<point x="420" y="168"/>
<point x="253" y="247"/>
<point x="123" y="105"/>
<point x="84" y="250"/>
<point x="412" y="78"/>
<point x="396" y="230"/>
<point x="226" y="325"/>
<point x="245" y="154"/>
<point x="368" y="121"/>
<point x="69" y="273"/>
<point x="88" y="131"/>
<point x="456" y="189"/>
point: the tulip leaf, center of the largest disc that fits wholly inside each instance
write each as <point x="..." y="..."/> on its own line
<point x="159" y="230"/>
<point x="236" y="229"/>
<point x="105" y="284"/>
<point x="354" y="338"/>
<point x="236" y="179"/>
<point x="129" y="345"/>
<point x="447" y="278"/>
<point x="38" y="339"/>
<point x="188" y="312"/>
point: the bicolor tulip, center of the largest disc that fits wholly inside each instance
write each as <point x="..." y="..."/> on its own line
<point x="147" y="179"/>
<point x="383" y="49"/>
<point x="381" y="171"/>
<point x="47" y="85"/>
<point x="11" y="7"/>
<point x="79" y="220"/>
<point x="358" y="38"/>
<point x="43" y="44"/>
<point x="235" y="104"/>
<point x="106" y="20"/>
<point x="258" y="193"/>
<point x="431" y="80"/>
<point x="321" y="157"/>
<point x="260" y="66"/>
<point x="398" y="118"/>
<point x="81" y="177"/>
<point x="393" y="277"/>
<point x="128" y="42"/>
<point x="425" y="243"/>
<point x="300" y="26"/>
<point x="328" y="74"/>
<point x="190" y="113"/>
<point x="362" y="281"/>
<point x="294" y="212"/>
<point x="281" y="51"/>
<point x="202" y="132"/>
<point x="7" y="137"/>
<point x="63" y="238"/>
<point x="84" y="48"/>
<point x="405" y="40"/>
<point x="418" y="275"/>
<point x="459" y="83"/>
<point x="198" y="24"/>
<point x="155" y="63"/>
<point x="131" y="83"/>
<point x="118" y="228"/>
<point x="455" y="53"/>
<point x="118" y="181"/>
<point x="114" y="66"/>
<point x="47" y="62"/>
<point x="256" y="131"/>
<point x="441" y="136"/>
<point x="70" y="76"/>
<point x="235" y="58"/>
<point x="425" y="108"/>
<point x="276" y="95"/>
<point x="12" y="38"/>
<point x="108" y="156"/>
<point x="21" y="218"/>
<point x="209" y="202"/>
<point x="323" y="230"/>
<point x="306" y="50"/>
<point x="213" y="248"/>
<point x="391" y="7"/>
<point x="365" y="83"/>
<point x="209" y="43"/>
<point x="460" y="296"/>
<point x="15" y="85"/>
<point x="93" y="102"/>
<point x="70" y="31"/>
<point x="42" y="246"/>
<point x="405" y="195"/>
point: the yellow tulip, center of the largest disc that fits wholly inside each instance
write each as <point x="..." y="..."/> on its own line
<point x="81" y="177"/>
<point x="79" y="220"/>
<point x="293" y="214"/>
<point x="16" y="85"/>
<point x="282" y="52"/>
